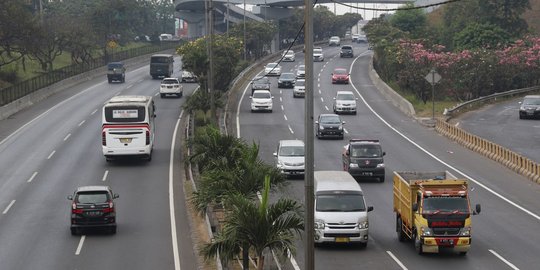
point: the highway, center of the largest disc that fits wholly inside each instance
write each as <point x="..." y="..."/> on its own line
<point x="504" y="235"/>
<point x="50" y="149"/>
<point x="500" y="124"/>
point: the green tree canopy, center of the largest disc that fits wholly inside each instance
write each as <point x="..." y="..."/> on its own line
<point x="476" y="36"/>
<point x="412" y="21"/>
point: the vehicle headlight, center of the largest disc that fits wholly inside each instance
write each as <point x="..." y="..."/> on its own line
<point x="279" y="81"/>
<point x="426" y="231"/>
<point x="321" y="127"/>
<point x="363" y="225"/>
<point x="319" y="224"/>
<point x="465" y="231"/>
<point x="380" y="165"/>
<point x="340" y="128"/>
<point x="353" y="165"/>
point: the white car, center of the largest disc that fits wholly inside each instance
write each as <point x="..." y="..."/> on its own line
<point x="318" y="55"/>
<point x="345" y="102"/>
<point x="355" y="37"/>
<point x="261" y="100"/>
<point x="299" y="88"/>
<point x="272" y="69"/>
<point x="334" y="41"/>
<point x="170" y="86"/>
<point x="288" y="56"/>
<point x="290" y="157"/>
<point x="301" y="71"/>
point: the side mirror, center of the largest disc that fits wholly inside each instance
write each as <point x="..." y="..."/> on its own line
<point x="519" y="102"/>
<point x="115" y="196"/>
<point x="347" y="152"/>
<point x="272" y="97"/>
<point x="356" y="98"/>
<point x="250" y="97"/>
<point x="275" y="154"/>
<point x="383" y="153"/>
<point x="478" y="209"/>
<point x="370" y="208"/>
<point x="155" y="115"/>
<point x="70" y="197"/>
<point x="415" y="207"/>
<point x="343" y="122"/>
<point x="334" y="98"/>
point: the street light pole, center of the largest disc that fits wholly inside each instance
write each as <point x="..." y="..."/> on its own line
<point x="245" y="51"/>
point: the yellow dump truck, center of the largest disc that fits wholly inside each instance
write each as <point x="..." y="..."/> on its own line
<point x="433" y="210"/>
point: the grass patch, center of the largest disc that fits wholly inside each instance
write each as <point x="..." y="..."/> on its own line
<point x="424" y="109"/>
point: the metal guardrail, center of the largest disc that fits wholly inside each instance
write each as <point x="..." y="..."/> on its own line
<point x="468" y="104"/>
<point x="19" y="90"/>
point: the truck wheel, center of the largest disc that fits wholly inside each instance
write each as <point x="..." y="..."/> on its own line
<point x="399" y="229"/>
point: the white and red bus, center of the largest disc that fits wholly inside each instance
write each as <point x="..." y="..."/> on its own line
<point x="128" y="127"/>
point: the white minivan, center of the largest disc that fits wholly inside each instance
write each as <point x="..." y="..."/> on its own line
<point x="341" y="214"/>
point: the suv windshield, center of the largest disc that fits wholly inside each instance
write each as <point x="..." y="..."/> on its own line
<point x="366" y="151"/>
<point x="93" y="197"/>
<point x="531" y="101"/>
<point x="340" y="203"/>
<point x="331" y="119"/>
<point x="291" y="151"/>
<point x="345" y="97"/>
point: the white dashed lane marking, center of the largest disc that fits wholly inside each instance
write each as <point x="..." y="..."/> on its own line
<point x="67" y="137"/>
<point x="105" y="175"/>
<point x="8" y="207"/>
<point x="51" y="154"/>
<point x="32" y="177"/>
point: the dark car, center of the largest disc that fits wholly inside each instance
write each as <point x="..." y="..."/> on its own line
<point x="116" y="71"/>
<point x="286" y="80"/>
<point x="329" y="125"/>
<point x="93" y="207"/>
<point x="530" y="107"/>
<point x="260" y="83"/>
<point x="364" y="159"/>
<point x="340" y="75"/>
<point x="346" y="51"/>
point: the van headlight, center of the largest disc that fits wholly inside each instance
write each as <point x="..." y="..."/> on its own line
<point x="319" y="224"/>
<point x="321" y="127"/>
<point x="380" y="165"/>
<point x="340" y="127"/>
<point x="426" y="231"/>
<point x="353" y="165"/>
<point x="363" y="225"/>
<point x="465" y="231"/>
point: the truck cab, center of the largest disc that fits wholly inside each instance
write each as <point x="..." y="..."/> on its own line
<point x="364" y="159"/>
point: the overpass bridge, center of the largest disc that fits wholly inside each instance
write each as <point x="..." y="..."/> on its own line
<point x="192" y="11"/>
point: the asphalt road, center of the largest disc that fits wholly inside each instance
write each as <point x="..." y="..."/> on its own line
<point x="505" y="234"/>
<point x="500" y="124"/>
<point x="50" y="149"/>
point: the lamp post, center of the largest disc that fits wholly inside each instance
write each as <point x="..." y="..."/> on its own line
<point x="245" y="51"/>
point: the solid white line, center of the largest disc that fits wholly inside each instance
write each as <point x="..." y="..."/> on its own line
<point x="94" y="112"/>
<point x="435" y="157"/>
<point x="396" y="260"/>
<point x="238" y="110"/>
<point x="293" y="261"/>
<point x="105" y="176"/>
<point x="292" y="132"/>
<point x="79" y="247"/>
<point x="171" y="196"/>
<point x="32" y="177"/>
<point x="504" y="260"/>
<point x="46" y="112"/>
<point x="284" y="116"/>
<point x="51" y="154"/>
<point x="8" y="207"/>
<point x="67" y="137"/>
<point x="81" y="123"/>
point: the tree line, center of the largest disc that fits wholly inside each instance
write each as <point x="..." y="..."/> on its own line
<point x="479" y="47"/>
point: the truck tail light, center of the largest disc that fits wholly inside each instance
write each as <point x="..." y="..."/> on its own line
<point x="147" y="137"/>
<point x="103" y="138"/>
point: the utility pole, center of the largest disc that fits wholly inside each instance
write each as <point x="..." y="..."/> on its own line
<point x="227" y="20"/>
<point x="308" y="137"/>
<point x="211" y="61"/>
<point x="245" y="50"/>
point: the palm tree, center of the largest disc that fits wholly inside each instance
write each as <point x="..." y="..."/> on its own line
<point x="244" y="174"/>
<point x="257" y="227"/>
<point x="210" y="145"/>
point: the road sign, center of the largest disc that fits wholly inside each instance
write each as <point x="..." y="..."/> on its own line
<point x="112" y="44"/>
<point x="433" y="77"/>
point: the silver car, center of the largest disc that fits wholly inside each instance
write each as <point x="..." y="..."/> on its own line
<point x="345" y="102"/>
<point x="290" y="157"/>
<point x="272" y="69"/>
<point x="299" y="88"/>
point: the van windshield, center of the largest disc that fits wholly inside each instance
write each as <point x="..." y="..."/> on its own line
<point x="340" y="203"/>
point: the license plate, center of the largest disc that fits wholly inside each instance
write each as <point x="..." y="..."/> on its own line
<point x="447" y="241"/>
<point x="125" y="140"/>
<point x="367" y="173"/>
<point x="93" y="213"/>
<point x="342" y="239"/>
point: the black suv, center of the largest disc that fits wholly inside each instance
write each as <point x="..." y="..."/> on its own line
<point x="286" y="80"/>
<point x="116" y="72"/>
<point x="260" y="83"/>
<point x="93" y="207"/>
<point x="364" y="159"/>
<point x="329" y="125"/>
<point x="346" y="51"/>
<point x="530" y="107"/>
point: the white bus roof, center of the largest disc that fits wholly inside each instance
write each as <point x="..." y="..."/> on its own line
<point x="129" y="99"/>
<point x="335" y="180"/>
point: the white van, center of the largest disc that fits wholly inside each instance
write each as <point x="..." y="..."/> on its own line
<point x="341" y="214"/>
<point x="128" y="127"/>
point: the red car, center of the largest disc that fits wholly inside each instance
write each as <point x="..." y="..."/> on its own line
<point x="340" y="75"/>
